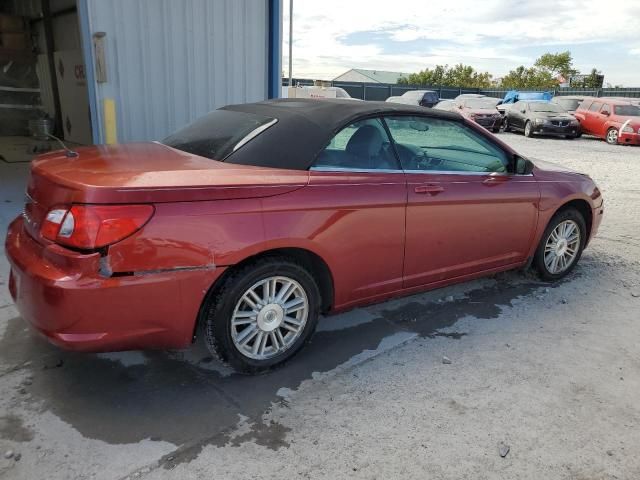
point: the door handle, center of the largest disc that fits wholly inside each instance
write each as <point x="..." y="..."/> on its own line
<point x="495" y="180"/>
<point x="429" y="189"/>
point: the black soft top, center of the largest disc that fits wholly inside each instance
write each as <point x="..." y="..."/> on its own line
<point x="306" y="126"/>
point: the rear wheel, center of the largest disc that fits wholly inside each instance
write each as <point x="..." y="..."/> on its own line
<point x="505" y="125"/>
<point x="528" y="129"/>
<point x="561" y="245"/>
<point x="612" y="136"/>
<point x="262" y="314"/>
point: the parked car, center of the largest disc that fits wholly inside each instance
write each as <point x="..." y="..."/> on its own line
<point x="513" y="96"/>
<point x="615" y="121"/>
<point x="633" y="100"/>
<point x="253" y="220"/>
<point x="481" y="110"/>
<point x="538" y="117"/>
<point x="464" y="96"/>
<point x="423" y="98"/>
<point x="568" y="102"/>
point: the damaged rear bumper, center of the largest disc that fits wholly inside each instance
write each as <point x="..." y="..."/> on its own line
<point x="63" y="295"/>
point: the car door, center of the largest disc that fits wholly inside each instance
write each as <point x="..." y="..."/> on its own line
<point x="466" y="213"/>
<point x="517" y="118"/>
<point x="592" y="119"/>
<point x="359" y="190"/>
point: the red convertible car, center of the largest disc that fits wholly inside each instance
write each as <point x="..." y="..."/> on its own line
<point x="252" y="221"/>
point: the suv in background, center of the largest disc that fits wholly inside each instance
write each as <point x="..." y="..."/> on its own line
<point x="615" y="121"/>
<point x="424" y="98"/>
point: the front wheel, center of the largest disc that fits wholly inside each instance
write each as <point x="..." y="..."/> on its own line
<point x="561" y="245"/>
<point x="528" y="129"/>
<point x="262" y="314"/>
<point x="505" y="125"/>
<point x="612" y="136"/>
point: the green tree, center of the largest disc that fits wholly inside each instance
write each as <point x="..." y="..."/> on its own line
<point x="560" y="63"/>
<point x="522" y="78"/>
<point x="593" y="80"/>
<point x="442" y="75"/>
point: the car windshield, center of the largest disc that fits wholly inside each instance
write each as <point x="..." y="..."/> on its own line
<point x="568" y="103"/>
<point x="481" y="102"/>
<point x="546" y="107"/>
<point x="219" y="133"/>
<point x="627" y="110"/>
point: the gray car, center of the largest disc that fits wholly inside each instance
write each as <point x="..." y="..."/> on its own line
<point x="540" y="117"/>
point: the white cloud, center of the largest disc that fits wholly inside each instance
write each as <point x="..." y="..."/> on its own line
<point x="489" y="35"/>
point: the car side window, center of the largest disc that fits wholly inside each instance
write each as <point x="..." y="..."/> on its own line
<point x="439" y="145"/>
<point x="363" y="145"/>
<point x="605" y="109"/>
<point x="595" y="106"/>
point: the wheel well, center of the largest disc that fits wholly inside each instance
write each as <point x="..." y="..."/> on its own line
<point x="314" y="263"/>
<point x="585" y="210"/>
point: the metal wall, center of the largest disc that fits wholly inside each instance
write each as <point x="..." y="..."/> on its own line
<point x="169" y="62"/>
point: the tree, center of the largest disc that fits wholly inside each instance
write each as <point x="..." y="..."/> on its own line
<point x="556" y="64"/>
<point x="522" y="78"/>
<point x="593" y="80"/>
<point x="459" y="75"/>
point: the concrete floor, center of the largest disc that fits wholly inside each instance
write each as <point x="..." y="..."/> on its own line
<point x="553" y="371"/>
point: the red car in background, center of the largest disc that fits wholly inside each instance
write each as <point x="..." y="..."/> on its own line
<point x="616" y="121"/>
<point x="479" y="109"/>
<point x="253" y="220"/>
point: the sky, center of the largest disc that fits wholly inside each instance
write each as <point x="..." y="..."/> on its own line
<point x="333" y="36"/>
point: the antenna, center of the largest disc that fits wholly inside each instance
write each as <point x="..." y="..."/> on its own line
<point x="67" y="151"/>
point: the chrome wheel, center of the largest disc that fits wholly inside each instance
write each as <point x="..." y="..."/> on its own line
<point x="562" y="247"/>
<point x="527" y="129"/>
<point x="612" y="136"/>
<point x="269" y="317"/>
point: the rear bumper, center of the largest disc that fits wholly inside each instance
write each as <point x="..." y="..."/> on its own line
<point x="64" y="297"/>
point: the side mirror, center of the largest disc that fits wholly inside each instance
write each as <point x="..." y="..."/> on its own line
<point x="523" y="166"/>
<point x="460" y="107"/>
<point x="523" y="111"/>
<point x="605" y="113"/>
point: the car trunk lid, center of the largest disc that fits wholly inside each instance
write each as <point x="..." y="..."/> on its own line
<point x="144" y="173"/>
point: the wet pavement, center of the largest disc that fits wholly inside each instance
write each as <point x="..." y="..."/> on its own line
<point x="188" y="399"/>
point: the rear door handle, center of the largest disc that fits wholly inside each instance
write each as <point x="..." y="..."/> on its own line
<point x="429" y="189"/>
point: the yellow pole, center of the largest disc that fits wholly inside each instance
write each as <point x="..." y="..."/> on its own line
<point x="110" y="128"/>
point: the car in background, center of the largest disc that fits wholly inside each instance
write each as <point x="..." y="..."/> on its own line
<point x="539" y="117"/>
<point x="249" y="223"/>
<point x="513" y="96"/>
<point x="568" y="102"/>
<point x="615" y="121"/>
<point x="318" y="92"/>
<point x="481" y="110"/>
<point x="465" y="96"/>
<point x="634" y="101"/>
<point x="422" y="98"/>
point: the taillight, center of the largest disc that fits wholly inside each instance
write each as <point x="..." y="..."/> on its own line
<point x="94" y="226"/>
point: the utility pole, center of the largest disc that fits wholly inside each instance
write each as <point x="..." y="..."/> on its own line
<point x="291" y="43"/>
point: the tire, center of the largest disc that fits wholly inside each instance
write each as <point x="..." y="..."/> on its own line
<point x="528" y="131"/>
<point x="612" y="136"/>
<point x="570" y="137"/>
<point x="495" y="129"/>
<point x="543" y="265"/>
<point x="579" y="134"/>
<point x="224" y="337"/>
<point x="505" y="125"/>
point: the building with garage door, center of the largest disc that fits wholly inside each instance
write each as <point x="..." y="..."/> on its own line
<point x="128" y="70"/>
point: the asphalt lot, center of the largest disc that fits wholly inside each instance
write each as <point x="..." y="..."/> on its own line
<point x="552" y="371"/>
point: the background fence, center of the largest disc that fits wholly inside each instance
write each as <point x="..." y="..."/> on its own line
<point x="382" y="91"/>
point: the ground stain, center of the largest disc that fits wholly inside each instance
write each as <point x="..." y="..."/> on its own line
<point x="12" y="428"/>
<point x="188" y="405"/>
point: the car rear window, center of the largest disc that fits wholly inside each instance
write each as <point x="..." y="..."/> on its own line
<point x="219" y="133"/>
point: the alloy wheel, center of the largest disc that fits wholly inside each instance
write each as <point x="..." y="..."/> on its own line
<point x="269" y="317"/>
<point x="562" y="247"/>
<point x="612" y="136"/>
